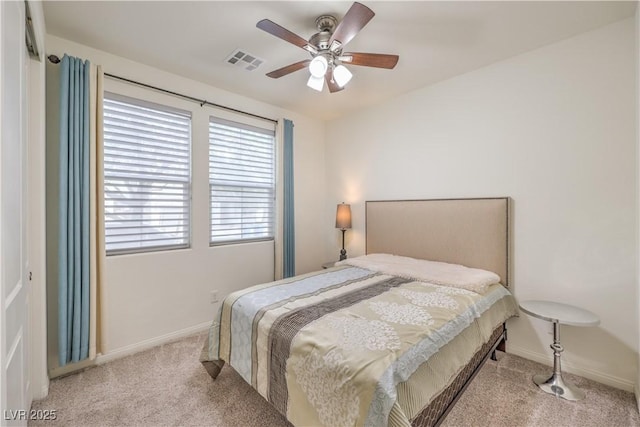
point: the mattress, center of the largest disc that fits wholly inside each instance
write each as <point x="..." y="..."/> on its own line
<point x="352" y="346"/>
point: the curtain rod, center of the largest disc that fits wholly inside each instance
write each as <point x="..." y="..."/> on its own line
<point x="55" y="60"/>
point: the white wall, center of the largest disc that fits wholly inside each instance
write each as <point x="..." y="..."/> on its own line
<point x="155" y="296"/>
<point x="554" y="129"/>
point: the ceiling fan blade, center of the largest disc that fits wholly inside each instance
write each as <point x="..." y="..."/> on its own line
<point x="331" y="84"/>
<point x="284" y="34"/>
<point x="356" y="18"/>
<point x="379" y="60"/>
<point x="288" y="69"/>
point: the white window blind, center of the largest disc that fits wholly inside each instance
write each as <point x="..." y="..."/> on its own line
<point x="147" y="158"/>
<point x="241" y="182"/>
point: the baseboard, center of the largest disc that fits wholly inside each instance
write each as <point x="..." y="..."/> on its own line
<point x="152" y="342"/>
<point x="70" y="368"/>
<point x="44" y="392"/>
<point x="39" y="392"/>
<point x="591" y="374"/>
<point x="129" y="350"/>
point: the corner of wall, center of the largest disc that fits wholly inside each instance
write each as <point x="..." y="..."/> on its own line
<point x="636" y="389"/>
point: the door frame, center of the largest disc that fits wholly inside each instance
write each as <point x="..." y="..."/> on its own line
<point x="36" y="204"/>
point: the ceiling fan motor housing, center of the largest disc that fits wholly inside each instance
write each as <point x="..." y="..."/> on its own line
<point x="326" y="24"/>
<point x="320" y="40"/>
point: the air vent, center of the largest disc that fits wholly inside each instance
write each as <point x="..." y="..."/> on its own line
<point x="243" y="59"/>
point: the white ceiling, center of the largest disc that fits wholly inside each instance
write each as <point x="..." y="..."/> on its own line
<point x="435" y="40"/>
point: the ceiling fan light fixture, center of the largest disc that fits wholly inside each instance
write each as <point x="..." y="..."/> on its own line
<point x="318" y="67"/>
<point x="326" y="48"/>
<point x="316" y="83"/>
<point x="341" y="75"/>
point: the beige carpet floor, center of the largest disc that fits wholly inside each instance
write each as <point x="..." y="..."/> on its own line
<point x="167" y="386"/>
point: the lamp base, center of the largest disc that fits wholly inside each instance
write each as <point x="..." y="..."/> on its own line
<point x="343" y="255"/>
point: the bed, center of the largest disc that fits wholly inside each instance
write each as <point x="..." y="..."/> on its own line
<point x="389" y="338"/>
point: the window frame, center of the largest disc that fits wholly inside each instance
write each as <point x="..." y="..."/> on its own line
<point x="136" y="101"/>
<point x="273" y="189"/>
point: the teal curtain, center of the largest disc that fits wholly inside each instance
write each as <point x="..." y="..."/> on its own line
<point x="289" y="237"/>
<point x="73" y="243"/>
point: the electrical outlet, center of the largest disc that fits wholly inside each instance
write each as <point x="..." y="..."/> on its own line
<point x="214" y="297"/>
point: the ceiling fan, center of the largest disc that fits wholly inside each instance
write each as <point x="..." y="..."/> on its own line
<point x="325" y="47"/>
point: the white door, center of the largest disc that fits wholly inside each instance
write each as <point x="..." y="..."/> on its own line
<point x="14" y="303"/>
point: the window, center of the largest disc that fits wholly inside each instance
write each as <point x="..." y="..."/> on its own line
<point x="241" y="182"/>
<point x="147" y="158"/>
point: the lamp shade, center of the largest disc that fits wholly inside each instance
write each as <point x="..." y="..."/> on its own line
<point x="342" y="75"/>
<point x="316" y="83"/>
<point x="343" y="216"/>
<point x="318" y="66"/>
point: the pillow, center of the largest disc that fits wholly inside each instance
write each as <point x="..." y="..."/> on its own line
<point x="439" y="273"/>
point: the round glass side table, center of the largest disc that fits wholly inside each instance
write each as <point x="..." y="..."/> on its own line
<point x="558" y="314"/>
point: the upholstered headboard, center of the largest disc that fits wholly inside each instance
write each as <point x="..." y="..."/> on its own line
<point x="471" y="232"/>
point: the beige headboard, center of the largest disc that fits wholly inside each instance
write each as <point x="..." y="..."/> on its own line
<point x="471" y="232"/>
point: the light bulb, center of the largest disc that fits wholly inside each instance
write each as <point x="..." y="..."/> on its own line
<point x="341" y="75"/>
<point x="318" y="66"/>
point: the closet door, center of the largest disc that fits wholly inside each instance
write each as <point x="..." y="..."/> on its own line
<point x="14" y="303"/>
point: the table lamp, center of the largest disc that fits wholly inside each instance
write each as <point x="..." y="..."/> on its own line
<point x="343" y="221"/>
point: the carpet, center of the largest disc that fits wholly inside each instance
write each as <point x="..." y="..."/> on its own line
<point x="167" y="386"/>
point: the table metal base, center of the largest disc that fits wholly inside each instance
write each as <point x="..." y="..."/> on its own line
<point x="557" y="386"/>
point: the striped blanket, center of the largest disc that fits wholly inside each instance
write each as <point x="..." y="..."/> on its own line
<point x="330" y="348"/>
